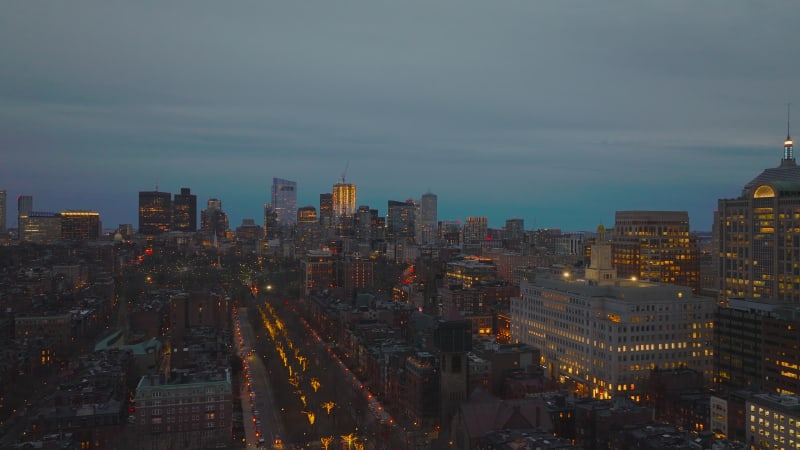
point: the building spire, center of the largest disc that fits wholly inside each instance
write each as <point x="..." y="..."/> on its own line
<point x="788" y="145"/>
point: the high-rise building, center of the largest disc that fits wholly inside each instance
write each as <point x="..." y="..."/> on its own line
<point x="40" y="227"/>
<point x="656" y="246"/>
<point x="271" y="227"/>
<point x="80" y="225"/>
<point x="184" y="211"/>
<point x="759" y="235"/>
<point x="326" y="210"/>
<point x="155" y="212"/>
<point x="213" y="219"/>
<point x="24" y="208"/>
<point x="2" y="211"/>
<point x="427" y="225"/>
<point x="284" y="201"/>
<point x="344" y="200"/>
<point x="400" y="219"/>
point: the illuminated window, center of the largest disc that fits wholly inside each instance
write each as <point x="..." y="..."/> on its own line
<point x="764" y="191"/>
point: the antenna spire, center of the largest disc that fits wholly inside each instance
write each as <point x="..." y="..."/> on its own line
<point x="788" y="145"/>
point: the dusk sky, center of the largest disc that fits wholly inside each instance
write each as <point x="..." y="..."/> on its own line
<point x="559" y="112"/>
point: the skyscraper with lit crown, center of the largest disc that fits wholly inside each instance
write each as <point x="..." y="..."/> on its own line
<point x="759" y="235"/>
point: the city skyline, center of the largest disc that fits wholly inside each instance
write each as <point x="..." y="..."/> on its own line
<point x="559" y="114"/>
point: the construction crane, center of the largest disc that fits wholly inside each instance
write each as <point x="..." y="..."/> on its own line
<point x="344" y="173"/>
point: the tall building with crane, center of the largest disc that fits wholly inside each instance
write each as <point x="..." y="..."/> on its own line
<point x="344" y="198"/>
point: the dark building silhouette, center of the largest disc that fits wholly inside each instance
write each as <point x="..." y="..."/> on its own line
<point x="184" y="211"/>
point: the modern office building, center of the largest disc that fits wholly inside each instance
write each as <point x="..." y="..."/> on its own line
<point x="326" y="210"/>
<point x="344" y="200"/>
<point x="271" y="227"/>
<point x="427" y="225"/>
<point x="80" y="225"/>
<point x="284" y="201"/>
<point x="24" y="207"/>
<point x="607" y="334"/>
<point x="41" y="227"/>
<point x="155" y="212"/>
<point x="656" y="246"/>
<point x="184" y="211"/>
<point x="2" y="211"/>
<point x="400" y="219"/>
<point x="759" y="235"/>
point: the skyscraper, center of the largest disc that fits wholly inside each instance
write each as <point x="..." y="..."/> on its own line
<point x="326" y="210"/>
<point x="759" y="235"/>
<point x="400" y="219"/>
<point x="271" y="227"/>
<point x="184" y="211"/>
<point x="284" y="201"/>
<point x="656" y="246"/>
<point x="2" y="211"/>
<point x="155" y="212"/>
<point x="344" y="200"/>
<point x="24" y="208"/>
<point x="427" y="226"/>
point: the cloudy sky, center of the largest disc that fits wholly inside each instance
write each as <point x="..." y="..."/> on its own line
<point x="558" y="112"/>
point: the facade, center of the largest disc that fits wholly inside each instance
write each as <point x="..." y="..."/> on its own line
<point x="427" y="225"/>
<point x="773" y="421"/>
<point x="326" y="210"/>
<point x="41" y="227"/>
<point x="307" y="215"/>
<point x="476" y="229"/>
<point x="155" y="212"/>
<point x="605" y="334"/>
<point x="271" y="227"/>
<point x="758" y="235"/>
<point x="400" y="219"/>
<point x="344" y="201"/>
<point x="186" y="409"/>
<point x="80" y="225"/>
<point x="184" y="211"/>
<point x="656" y="246"/>
<point x="284" y="201"/>
<point x="757" y="346"/>
<point x="317" y="271"/>
<point x="24" y="207"/>
<point x="469" y="272"/>
<point x="213" y="219"/>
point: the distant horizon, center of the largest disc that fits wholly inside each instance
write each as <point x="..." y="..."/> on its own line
<point x="235" y="220"/>
<point x="559" y="113"/>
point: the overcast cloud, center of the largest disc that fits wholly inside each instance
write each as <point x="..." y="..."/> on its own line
<point x="560" y="112"/>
